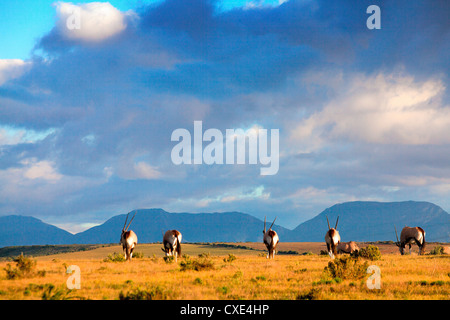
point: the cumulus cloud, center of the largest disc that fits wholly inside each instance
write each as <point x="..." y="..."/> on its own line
<point x="226" y="198"/>
<point x="12" y="68"/>
<point x="94" y="21"/>
<point x="143" y="170"/>
<point x="384" y="109"/>
<point x="40" y="170"/>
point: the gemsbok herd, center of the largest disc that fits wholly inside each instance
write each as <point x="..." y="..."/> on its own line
<point x="172" y="240"/>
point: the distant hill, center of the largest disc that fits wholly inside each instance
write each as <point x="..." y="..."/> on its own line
<point x="22" y="230"/>
<point x="373" y="221"/>
<point x="199" y="227"/>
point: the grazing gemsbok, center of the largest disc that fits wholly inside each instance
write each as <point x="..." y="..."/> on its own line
<point x="410" y="235"/>
<point x="347" y="247"/>
<point x="270" y="239"/>
<point x="332" y="239"/>
<point x="128" y="239"/>
<point x="172" y="243"/>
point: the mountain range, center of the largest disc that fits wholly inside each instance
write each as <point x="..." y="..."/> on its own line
<point x="358" y="221"/>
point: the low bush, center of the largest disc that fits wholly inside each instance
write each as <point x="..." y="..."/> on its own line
<point x="199" y="264"/>
<point x="115" y="257"/>
<point x="312" y="294"/>
<point x="370" y="252"/>
<point x="169" y="259"/>
<point x="346" y="267"/>
<point x="155" y="293"/>
<point x="231" y="258"/>
<point x="51" y="292"/>
<point x="137" y="255"/>
<point x="438" y="250"/>
<point x="25" y="267"/>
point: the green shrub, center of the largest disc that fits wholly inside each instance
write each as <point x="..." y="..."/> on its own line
<point x="138" y="255"/>
<point x="155" y="293"/>
<point x="231" y="258"/>
<point x="370" y="252"/>
<point x="346" y="267"/>
<point x="115" y="257"/>
<point x="438" y="250"/>
<point x="25" y="267"/>
<point x="288" y="252"/>
<point x="312" y="294"/>
<point x="53" y="293"/>
<point x="169" y="259"/>
<point x="199" y="264"/>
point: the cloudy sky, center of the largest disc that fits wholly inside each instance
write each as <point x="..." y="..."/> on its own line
<point x="87" y="113"/>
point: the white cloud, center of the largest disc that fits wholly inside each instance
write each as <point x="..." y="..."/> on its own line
<point x="257" y="193"/>
<point x="12" y="69"/>
<point x="235" y="195"/>
<point x="134" y="171"/>
<point x="145" y="171"/>
<point x="384" y="109"/>
<point x="92" y="22"/>
<point x="40" y="170"/>
<point x="35" y="181"/>
<point x="74" y="227"/>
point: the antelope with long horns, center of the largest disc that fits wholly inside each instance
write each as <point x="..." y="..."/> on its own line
<point x="347" y="247"/>
<point x="270" y="239"/>
<point x="332" y="239"/>
<point x="172" y="243"/>
<point x="128" y="239"/>
<point x="411" y="235"/>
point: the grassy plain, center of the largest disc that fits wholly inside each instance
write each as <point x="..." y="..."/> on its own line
<point x="238" y="271"/>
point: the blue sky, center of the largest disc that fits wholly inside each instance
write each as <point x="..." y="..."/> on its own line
<point x="86" y="115"/>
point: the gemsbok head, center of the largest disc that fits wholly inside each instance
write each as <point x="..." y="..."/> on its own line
<point x="347" y="247"/>
<point x="128" y="239"/>
<point x="411" y="235"/>
<point x="332" y="239"/>
<point x="172" y="243"/>
<point x="270" y="239"/>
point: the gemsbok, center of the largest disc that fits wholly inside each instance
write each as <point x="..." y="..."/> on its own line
<point x="347" y="247"/>
<point x="411" y="235"/>
<point x="270" y="239"/>
<point x="172" y="243"/>
<point x="128" y="239"/>
<point x="332" y="239"/>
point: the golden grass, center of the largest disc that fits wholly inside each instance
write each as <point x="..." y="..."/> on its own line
<point x="249" y="276"/>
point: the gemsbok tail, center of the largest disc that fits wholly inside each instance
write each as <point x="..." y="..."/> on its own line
<point x="178" y="247"/>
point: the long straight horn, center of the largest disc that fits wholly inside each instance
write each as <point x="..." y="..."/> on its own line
<point x="396" y="233"/>
<point x="273" y="223"/>
<point x="328" y="223"/>
<point x="336" y="222"/>
<point x="130" y="221"/>
<point x="125" y="221"/>
<point x="264" y="223"/>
